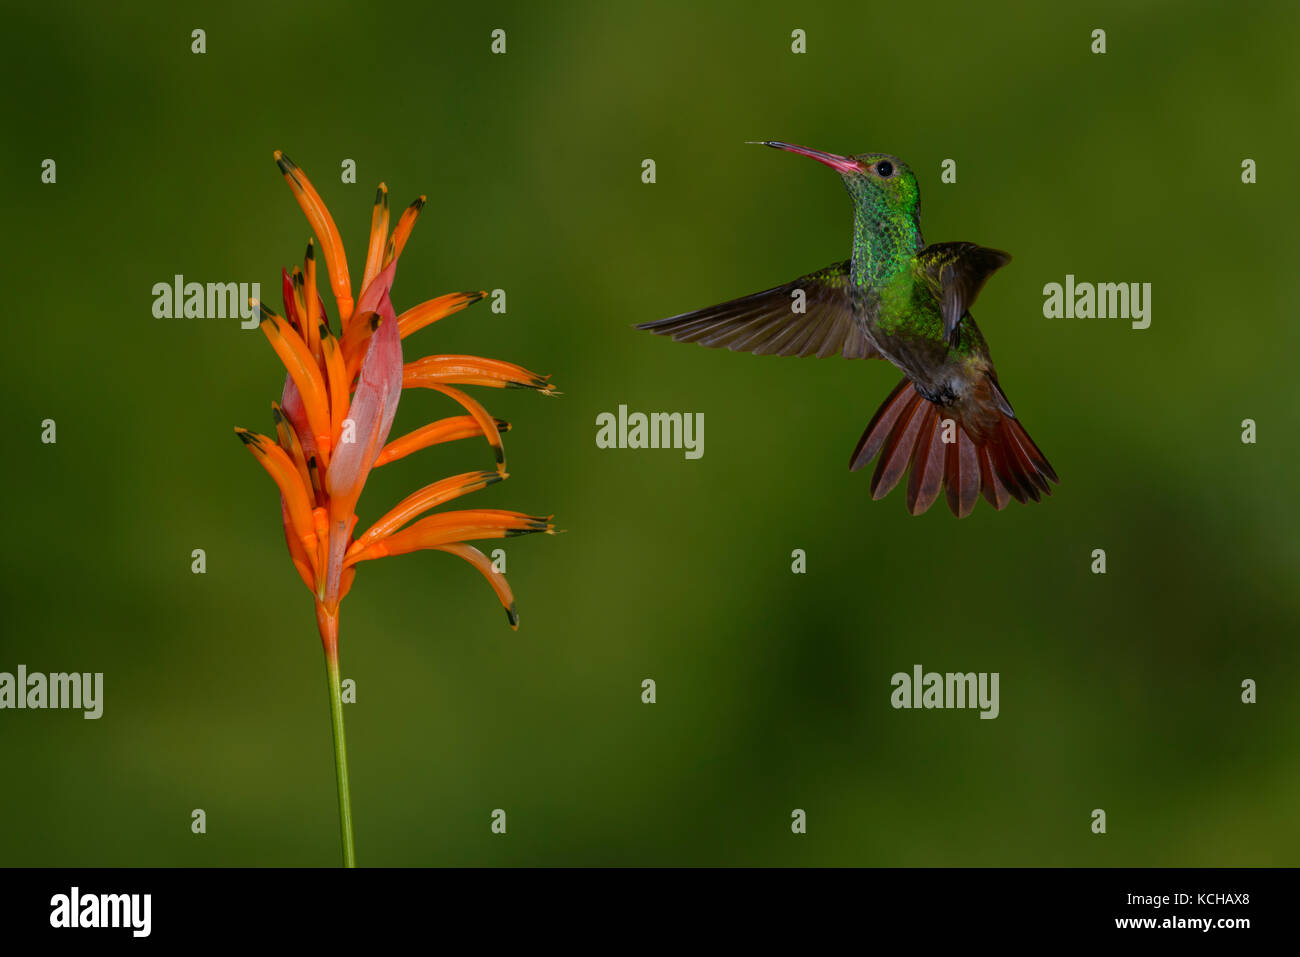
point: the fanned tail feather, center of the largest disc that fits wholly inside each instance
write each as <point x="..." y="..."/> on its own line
<point x="992" y="453"/>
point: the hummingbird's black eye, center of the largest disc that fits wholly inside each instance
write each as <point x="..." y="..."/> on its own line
<point x="885" y="168"/>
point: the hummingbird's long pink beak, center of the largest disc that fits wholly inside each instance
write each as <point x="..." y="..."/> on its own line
<point x="841" y="164"/>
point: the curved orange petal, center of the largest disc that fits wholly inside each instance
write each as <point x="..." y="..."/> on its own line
<point x="494" y="577"/>
<point x="288" y="345"/>
<point x="272" y="458"/>
<point x="444" y="430"/>
<point x="473" y="370"/>
<point x="417" y="317"/>
<point x="297" y="553"/>
<point x="431" y="496"/>
<point x="485" y="421"/>
<point x="336" y="378"/>
<point x="288" y="438"/>
<point x="311" y="325"/>
<point x="299" y="301"/>
<point x="447" y="528"/>
<point x="322" y="224"/>
<point x="402" y="231"/>
<point x="378" y="237"/>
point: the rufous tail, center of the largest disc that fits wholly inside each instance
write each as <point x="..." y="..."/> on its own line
<point x="974" y="446"/>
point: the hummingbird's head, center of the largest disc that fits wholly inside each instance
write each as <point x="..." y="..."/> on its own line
<point x="881" y="186"/>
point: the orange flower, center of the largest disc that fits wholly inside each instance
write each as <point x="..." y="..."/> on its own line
<point x="335" y="413"/>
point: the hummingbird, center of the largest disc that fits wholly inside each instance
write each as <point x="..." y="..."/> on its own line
<point x="900" y="300"/>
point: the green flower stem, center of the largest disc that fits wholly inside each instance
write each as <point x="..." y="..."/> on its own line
<point x="341" y="760"/>
<point x="327" y="619"/>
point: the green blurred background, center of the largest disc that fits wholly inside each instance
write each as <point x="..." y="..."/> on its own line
<point x="1119" y="692"/>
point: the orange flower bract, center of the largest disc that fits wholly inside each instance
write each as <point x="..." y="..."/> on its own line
<point x="338" y="403"/>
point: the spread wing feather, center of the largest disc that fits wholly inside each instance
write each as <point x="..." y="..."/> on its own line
<point x="769" y="323"/>
<point x="957" y="272"/>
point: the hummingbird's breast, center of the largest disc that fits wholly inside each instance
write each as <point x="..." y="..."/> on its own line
<point x="905" y="324"/>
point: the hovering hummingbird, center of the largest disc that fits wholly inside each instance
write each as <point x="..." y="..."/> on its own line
<point x="901" y="300"/>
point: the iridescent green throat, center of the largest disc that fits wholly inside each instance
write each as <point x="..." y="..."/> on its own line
<point x="885" y="240"/>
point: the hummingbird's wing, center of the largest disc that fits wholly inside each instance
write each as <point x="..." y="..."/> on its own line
<point x="779" y="321"/>
<point x="957" y="272"/>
